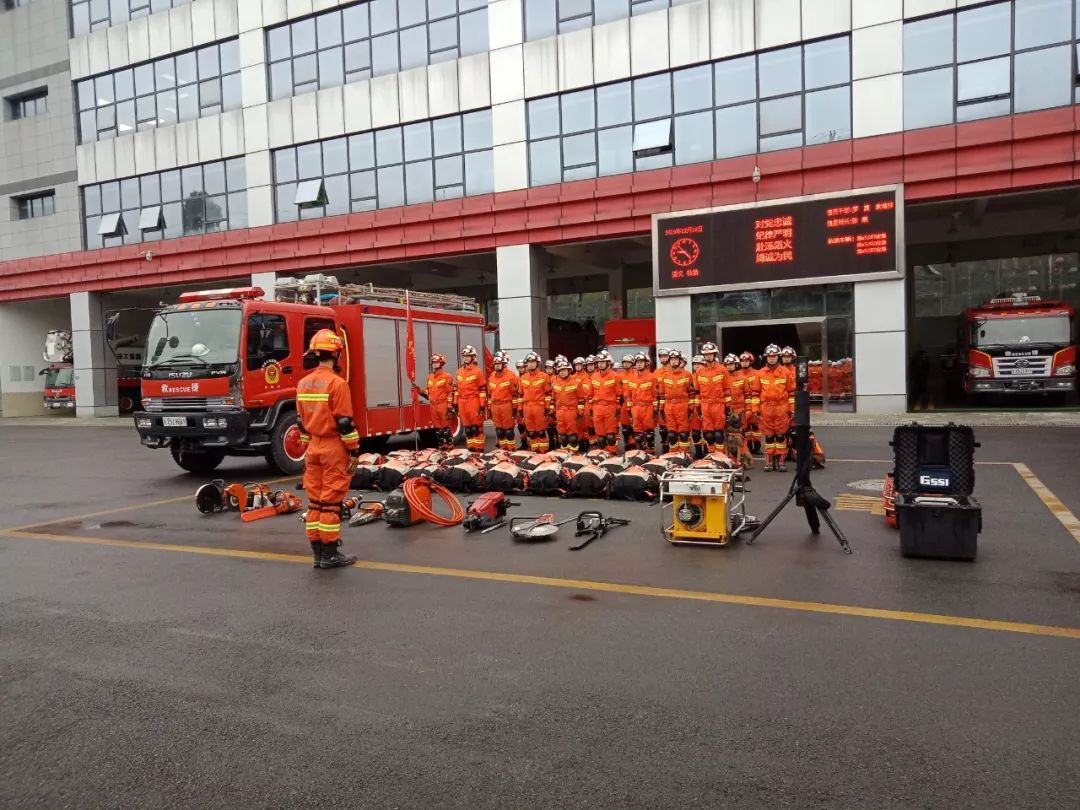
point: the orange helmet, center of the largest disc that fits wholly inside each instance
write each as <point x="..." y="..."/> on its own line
<point x="325" y="341"/>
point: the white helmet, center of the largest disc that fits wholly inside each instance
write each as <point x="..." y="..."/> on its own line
<point x="772" y="348"/>
<point x="698" y="360"/>
<point x="468" y="351"/>
<point x="710" y="348"/>
<point x="787" y="350"/>
<point x="730" y="359"/>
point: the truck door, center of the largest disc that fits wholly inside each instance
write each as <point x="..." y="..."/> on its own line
<point x="272" y="362"/>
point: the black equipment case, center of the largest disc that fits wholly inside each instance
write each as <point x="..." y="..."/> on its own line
<point x="934" y="475"/>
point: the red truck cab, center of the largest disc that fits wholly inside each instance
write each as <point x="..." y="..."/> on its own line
<point x="59" y="386"/>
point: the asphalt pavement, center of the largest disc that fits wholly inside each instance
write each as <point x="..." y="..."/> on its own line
<point x="156" y="657"/>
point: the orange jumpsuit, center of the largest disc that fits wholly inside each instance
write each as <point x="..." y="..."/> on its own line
<point x="676" y="390"/>
<point x="605" y="408"/>
<point x="775" y="412"/>
<point x="585" y="422"/>
<point x="470" y="399"/>
<point x="570" y="397"/>
<point x="643" y="397"/>
<point x="504" y="392"/>
<point x="440" y="385"/>
<point x="536" y="400"/>
<point x="661" y="416"/>
<point x="751" y="416"/>
<point x="792" y="373"/>
<point x="322" y="398"/>
<point x="714" y="388"/>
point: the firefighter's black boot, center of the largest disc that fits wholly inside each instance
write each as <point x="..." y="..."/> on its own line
<point x="317" y="553"/>
<point x="333" y="558"/>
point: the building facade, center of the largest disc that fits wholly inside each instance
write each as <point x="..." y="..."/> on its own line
<point x="517" y="150"/>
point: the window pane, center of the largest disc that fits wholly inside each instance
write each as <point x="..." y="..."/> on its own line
<point x="328" y="29"/>
<point x="693" y="90"/>
<point x="447" y="135"/>
<point x="383" y="16"/>
<point x="92" y="200"/>
<point x="652" y="97"/>
<point x="208" y="62"/>
<point x="540" y="19"/>
<point x="110" y="197"/>
<point x="982" y="79"/>
<point x="417" y="138"/>
<point x="280" y="80"/>
<point x="448" y="171"/>
<point x="578" y="114"/>
<point x="391" y="187"/>
<point x="827" y="63"/>
<point x="694" y="137"/>
<point x="1040" y="22"/>
<point x="419" y="182"/>
<point x="187" y="103"/>
<point x="736" y="131"/>
<point x="543" y="117"/>
<point x="579" y="149"/>
<point x="928" y="43"/>
<point x="828" y="116"/>
<point x="104" y="89"/>
<point x="170" y="187"/>
<point x="928" y="99"/>
<point x="278" y="43"/>
<point x="474" y="32"/>
<point x="986" y="109"/>
<point x="608" y="10"/>
<point x="354" y="20"/>
<point x="230" y="56"/>
<point x="230" y="92"/>
<point x="414" y="48"/>
<point x="214" y="177"/>
<point x="384" y="54"/>
<point x="545" y="162"/>
<point x="443" y="34"/>
<point x="362" y="185"/>
<point x="790" y="141"/>
<point x="303" y="36"/>
<point x="780" y="71"/>
<point x="781" y="115"/>
<point x="578" y="172"/>
<point x="388" y="146"/>
<point x="125" y="117"/>
<point x="358" y="57"/>
<point x="305" y="71"/>
<point x="1042" y="79"/>
<point x="982" y="32"/>
<point x="125" y="84"/>
<point x="331" y="73"/>
<point x="480" y="172"/>
<point x="308" y="161"/>
<point x="234" y="174"/>
<point x="361" y="151"/>
<point x="476" y="127"/>
<point x="186" y="69"/>
<point x="144" y="81"/>
<point x="615" y="151"/>
<point x="337" y="194"/>
<point x="335" y="154"/>
<point x="653" y="135"/>
<point x="238" y="217"/>
<point x="210" y="93"/>
<point x="613" y="105"/>
<point x="87" y="98"/>
<point x="411" y="12"/>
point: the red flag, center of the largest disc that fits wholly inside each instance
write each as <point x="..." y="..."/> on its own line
<point x="410" y="355"/>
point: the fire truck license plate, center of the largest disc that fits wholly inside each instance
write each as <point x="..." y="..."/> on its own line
<point x="174" y="421"/>
<point x="1023" y="372"/>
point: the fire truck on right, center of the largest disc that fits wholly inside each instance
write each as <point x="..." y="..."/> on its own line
<point x="1019" y="344"/>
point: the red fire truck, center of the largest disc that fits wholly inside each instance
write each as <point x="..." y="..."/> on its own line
<point x="60" y="374"/>
<point x="221" y="366"/>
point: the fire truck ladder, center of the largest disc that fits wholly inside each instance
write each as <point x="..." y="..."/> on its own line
<point x="319" y="289"/>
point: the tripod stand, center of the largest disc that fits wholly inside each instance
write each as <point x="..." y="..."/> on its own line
<point x="801" y="489"/>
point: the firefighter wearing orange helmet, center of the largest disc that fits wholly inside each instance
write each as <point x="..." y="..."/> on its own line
<point x="504" y="390"/>
<point x="437" y="391"/>
<point x="536" y="402"/>
<point x="605" y="403"/>
<point x="325" y="414"/>
<point x="644" y="402"/>
<point x="676" y="389"/>
<point x="714" y="389"/>
<point x="787" y="362"/>
<point x="624" y="374"/>
<point x="470" y="399"/>
<point x="569" y="396"/>
<point x="776" y="388"/>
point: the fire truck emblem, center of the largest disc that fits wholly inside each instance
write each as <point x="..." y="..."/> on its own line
<point x="272" y="373"/>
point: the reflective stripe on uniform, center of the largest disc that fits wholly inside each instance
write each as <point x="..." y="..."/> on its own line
<point x="324" y="397"/>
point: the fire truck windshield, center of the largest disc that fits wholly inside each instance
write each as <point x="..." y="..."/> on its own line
<point x="59" y="378"/>
<point x="1013" y="330"/>
<point x="194" y="337"/>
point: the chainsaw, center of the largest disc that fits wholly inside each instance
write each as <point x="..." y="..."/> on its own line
<point x="281" y="503"/>
<point x="487" y="512"/>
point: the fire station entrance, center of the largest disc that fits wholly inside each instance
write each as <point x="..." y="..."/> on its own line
<point x="809" y="338"/>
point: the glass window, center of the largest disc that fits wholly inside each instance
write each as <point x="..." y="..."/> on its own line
<point x="388" y="147"/>
<point x="354" y="21"/>
<point x="480" y="172"/>
<point x="615" y="151"/>
<point x="477" y="129"/>
<point x="124" y="82"/>
<point x="693" y="89"/>
<point x="361" y="151"/>
<point x="446" y="134"/>
<point x="982" y="32"/>
<point x="448" y="171"/>
<point x="781" y="115"/>
<point x="773" y="143"/>
<point x="579" y="150"/>
<point x="414" y="47"/>
<point x="309" y="161"/>
<point x="780" y="72"/>
<point x="736" y="131"/>
<point x="362" y="185"/>
<point x="735" y="80"/>
<point x="328" y="29"/>
<point x="1042" y="22"/>
<point x="419" y="182"/>
<point x="613" y="104"/>
<point x="331" y="70"/>
<point x="417" y="140"/>
<point x="540" y="19"/>
<point x="391" y="187"/>
<point x="284" y="165"/>
<point x="652" y="97"/>
<point x="384" y="54"/>
<point x="982" y="80"/>
<point x="358" y="60"/>
<point x="653" y="136"/>
<point x="443" y="34"/>
<point x="335" y="156"/>
<point x="694" y="138"/>
<point x="277" y="43"/>
<point x="578" y="112"/>
<point x="474" y="32"/>
<point x="1042" y="79"/>
<point x="303" y="37"/>
<point x="828" y="116"/>
<point x="827" y="63"/>
<point x="544" y="117"/>
<point x="545" y="162"/>
<point x="608" y="10"/>
<point x="928" y="43"/>
<point x="928" y="98"/>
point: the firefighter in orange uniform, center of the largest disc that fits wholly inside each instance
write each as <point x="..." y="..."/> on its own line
<point x="470" y="399"/>
<point x="588" y="439"/>
<point x="644" y="402"/>
<point x="625" y="373"/>
<point x="738" y="389"/>
<point x="714" y="389"/>
<point x="440" y="385"/>
<point x="520" y="365"/>
<point x="324" y="410"/>
<point x="504" y="390"/>
<point x="569" y="396"/>
<point x="752" y="397"/>
<point x="605" y="403"/>
<point x="696" y="436"/>
<point x="582" y="376"/>
<point x="663" y="366"/>
<point x="536" y="402"/>
<point x="676" y="390"/>
<point x="787" y="362"/>
<point x="775" y="411"/>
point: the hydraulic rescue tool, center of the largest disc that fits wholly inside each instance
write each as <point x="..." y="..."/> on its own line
<point x="591" y="525"/>
<point x="540" y="527"/>
<point x="487" y="512"/>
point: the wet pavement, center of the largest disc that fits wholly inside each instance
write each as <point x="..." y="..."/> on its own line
<point x="153" y="656"/>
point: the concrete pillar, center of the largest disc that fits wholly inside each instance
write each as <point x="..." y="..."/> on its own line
<point x="23" y="326"/>
<point x="617" y="293"/>
<point x="266" y="281"/>
<point x="880" y="347"/>
<point x="95" y="366"/>
<point x="522" y="279"/>
<point x="675" y="324"/>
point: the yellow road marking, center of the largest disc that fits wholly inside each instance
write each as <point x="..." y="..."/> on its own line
<point x="1053" y="503"/>
<point x="592" y="585"/>
<point x="128" y="508"/>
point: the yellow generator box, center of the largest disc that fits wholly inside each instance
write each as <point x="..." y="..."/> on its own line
<point x="697" y="505"/>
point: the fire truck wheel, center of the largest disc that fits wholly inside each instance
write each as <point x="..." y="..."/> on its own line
<point x="197" y="462"/>
<point x="286" y="452"/>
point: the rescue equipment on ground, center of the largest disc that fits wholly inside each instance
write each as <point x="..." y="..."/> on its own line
<point x="538" y="527"/>
<point x="281" y="503"/>
<point x="367" y="512"/>
<point x="210" y="498"/>
<point x="592" y="525"/>
<point x="704" y="507"/>
<point x="487" y="512"/>
<point x="412" y="504"/>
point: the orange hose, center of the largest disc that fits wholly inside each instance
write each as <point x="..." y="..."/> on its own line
<point x="420" y="503"/>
